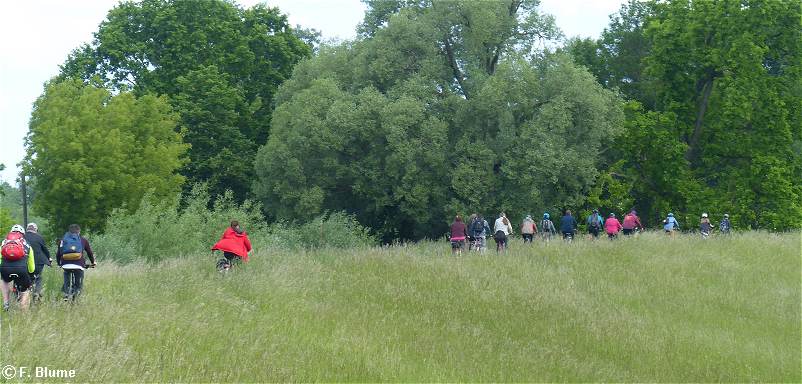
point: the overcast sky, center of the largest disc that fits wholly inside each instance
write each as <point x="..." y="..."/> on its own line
<point x="39" y="34"/>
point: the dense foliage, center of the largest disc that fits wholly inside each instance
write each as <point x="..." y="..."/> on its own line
<point x="719" y="126"/>
<point x="440" y="109"/>
<point x="90" y="152"/>
<point x="219" y="64"/>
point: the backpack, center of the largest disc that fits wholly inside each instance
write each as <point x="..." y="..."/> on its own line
<point x="71" y="246"/>
<point x="477" y="227"/>
<point x="14" y="247"/>
<point x="593" y="221"/>
<point x="547" y="226"/>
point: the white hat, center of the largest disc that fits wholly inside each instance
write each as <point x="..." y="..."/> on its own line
<point x="704" y="215"/>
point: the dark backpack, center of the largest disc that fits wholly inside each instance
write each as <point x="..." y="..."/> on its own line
<point x="14" y="247"/>
<point x="477" y="227"/>
<point x="71" y="244"/>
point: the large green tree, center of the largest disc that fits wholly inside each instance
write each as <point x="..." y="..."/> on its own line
<point x="219" y="64"/>
<point x="90" y="152"/>
<point x="439" y="108"/>
<point x="714" y="125"/>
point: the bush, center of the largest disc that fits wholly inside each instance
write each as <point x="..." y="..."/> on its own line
<point x="160" y="231"/>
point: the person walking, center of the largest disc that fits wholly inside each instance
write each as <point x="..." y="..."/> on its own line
<point x="528" y="229"/>
<point x="70" y="257"/>
<point x="631" y="223"/>
<point x="16" y="266"/>
<point x="568" y="225"/>
<point x="547" y="229"/>
<point x="612" y="226"/>
<point x="595" y="223"/>
<point x="41" y="257"/>
<point x="459" y="231"/>
<point x="670" y="225"/>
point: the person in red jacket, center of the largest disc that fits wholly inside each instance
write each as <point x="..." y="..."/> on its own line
<point x="234" y="244"/>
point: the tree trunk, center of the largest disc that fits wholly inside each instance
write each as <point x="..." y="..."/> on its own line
<point x="693" y="152"/>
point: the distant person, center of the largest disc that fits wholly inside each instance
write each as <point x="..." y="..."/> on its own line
<point x="704" y="226"/>
<point x="41" y="257"/>
<point x="595" y="223"/>
<point x="528" y="229"/>
<point x="502" y="229"/>
<point x="480" y="229"/>
<point x="459" y="231"/>
<point x="568" y="225"/>
<point x="631" y="223"/>
<point x="612" y="226"/>
<point x="469" y="225"/>
<point x="234" y="243"/>
<point x="670" y="225"/>
<point x="724" y="226"/>
<point x="70" y="256"/>
<point x="16" y="265"/>
<point x="547" y="229"/>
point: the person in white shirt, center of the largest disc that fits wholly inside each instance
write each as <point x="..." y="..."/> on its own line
<point x="502" y="229"/>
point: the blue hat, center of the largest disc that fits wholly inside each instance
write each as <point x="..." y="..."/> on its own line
<point x="546" y="215"/>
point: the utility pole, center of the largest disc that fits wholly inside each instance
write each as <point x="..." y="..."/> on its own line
<point x="24" y="191"/>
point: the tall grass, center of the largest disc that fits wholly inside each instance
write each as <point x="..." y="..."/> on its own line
<point x="645" y="309"/>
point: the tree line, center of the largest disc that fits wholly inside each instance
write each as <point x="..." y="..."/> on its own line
<point x="436" y="108"/>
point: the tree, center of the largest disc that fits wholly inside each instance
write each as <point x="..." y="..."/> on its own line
<point x="90" y="152"/>
<point x="440" y="108"/>
<point x="166" y="46"/>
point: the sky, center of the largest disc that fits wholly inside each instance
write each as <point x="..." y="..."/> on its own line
<point x="39" y="34"/>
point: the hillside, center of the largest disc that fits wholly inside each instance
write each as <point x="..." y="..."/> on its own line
<point x="645" y="309"/>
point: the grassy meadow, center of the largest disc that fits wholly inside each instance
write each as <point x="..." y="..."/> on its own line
<point x="645" y="309"/>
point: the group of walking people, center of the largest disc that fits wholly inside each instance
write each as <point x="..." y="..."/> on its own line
<point x="476" y="230"/>
<point x="25" y="255"/>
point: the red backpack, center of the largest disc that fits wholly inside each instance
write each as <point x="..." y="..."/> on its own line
<point x="14" y="247"/>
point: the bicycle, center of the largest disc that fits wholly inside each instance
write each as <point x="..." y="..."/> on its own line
<point x="476" y="244"/>
<point x="72" y="292"/>
<point x="224" y="264"/>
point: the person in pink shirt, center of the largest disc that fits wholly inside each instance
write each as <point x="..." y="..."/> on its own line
<point x="612" y="226"/>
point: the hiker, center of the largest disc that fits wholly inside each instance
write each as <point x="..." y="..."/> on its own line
<point x="70" y="256"/>
<point x="16" y="265"/>
<point x="547" y="229"/>
<point x="595" y="223"/>
<point x="631" y="223"/>
<point x="704" y="226"/>
<point x="502" y="229"/>
<point x="41" y="257"/>
<point x="724" y="226"/>
<point x="458" y="234"/>
<point x="234" y="243"/>
<point x="612" y="226"/>
<point x="480" y="229"/>
<point x="528" y="229"/>
<point x="568" y="225"/>
<point x="670" y="224"/>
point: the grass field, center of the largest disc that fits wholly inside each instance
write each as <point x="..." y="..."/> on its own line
<point x="645" y="309"/>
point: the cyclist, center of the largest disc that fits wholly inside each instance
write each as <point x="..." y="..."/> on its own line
<point x="670" y="224"/>
<point x="547" y="229"/>
<point x="41" y="257"/>
<point x="568" y="225"/>
<point x="631" y="223"/>
<point x="501" y="229"/>
<point x="458" y="234"/>
<point x="70" y="256"/>
<point x="480" y="229"/>
<point x="471" y="221"/>
<point x="16" y="265"/>
<point x="612" y="226"/>
<point x="528" y="229"/>
<point x="704" y="226"/>
<point x="724" y="226"/>
<point x="234" y="244"/>
<point x="595" y="223"/>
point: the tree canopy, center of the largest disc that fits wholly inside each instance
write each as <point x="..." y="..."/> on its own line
<point x="441" y="108"/>
<point x="219" y="64"/>
<point x="90" y="152"/>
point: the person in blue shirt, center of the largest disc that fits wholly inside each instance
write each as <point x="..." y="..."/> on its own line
<point x="568" y="225"/>
<point x="670" y="224"/>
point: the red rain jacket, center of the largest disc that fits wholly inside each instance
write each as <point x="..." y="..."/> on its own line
<point x="236" y="243"/>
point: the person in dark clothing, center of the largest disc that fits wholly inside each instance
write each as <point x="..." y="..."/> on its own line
<point x="568" y="225"/>
<point x="70" y="256"/>
<point x="41" y="257"/>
